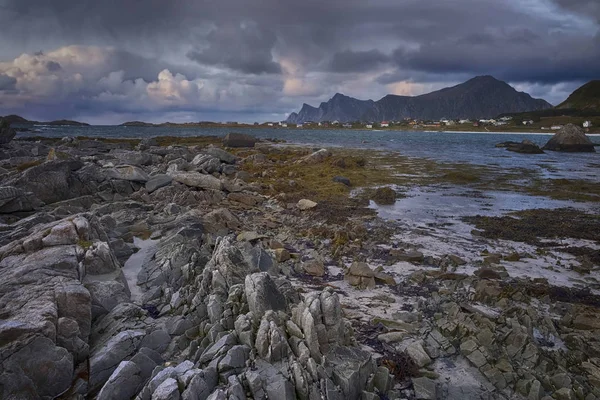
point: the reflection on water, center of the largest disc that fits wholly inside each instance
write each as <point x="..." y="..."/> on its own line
<point x="434" y="204"/>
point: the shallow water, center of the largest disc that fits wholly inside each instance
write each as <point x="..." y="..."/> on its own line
<point x="134" y="264"/>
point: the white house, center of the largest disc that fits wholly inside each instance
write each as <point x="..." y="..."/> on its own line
<point x="299" y="126"/>
<point x="284" y="125"/>
<point x="464" y="121"/>
<point x="555" y="127"/>
<point x="529" y="122"/>
<point x="270" y="124"/>
<point x="369" y="126"/>
<point x="587" y="124"/>
<point x="385" y="124"/>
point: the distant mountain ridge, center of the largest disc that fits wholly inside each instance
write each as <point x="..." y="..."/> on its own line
<point x="480" y="97"/>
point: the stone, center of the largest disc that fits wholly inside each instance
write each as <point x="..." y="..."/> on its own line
<point x="235" y="359"/>
<point x="222" y="155"/>
<point x="586" y="321"/>
<point x="6" y="132"/>
<point x="410" y="256"/>
<point x="418" y="354"/>
<point x="384" y="196"/>
<point x="425" y="389"/>
<point x="263" y="295"/>
<point x="360" y="275"/>
<point x="239" y="140"/>
<point x="198" y="180"/>
<point x="123" y="384"/>
<point x="305" y="204"/>
<point x="40" y="369"/>
<point x="107" y="358"/>
<point x="157" y="340"/>
<point x="314" y="267"/>
<point x="158" y="181"/>
<point x="352" y="367"/>
<point x="342" y="180"/>
<point x="281" y="255"/>
<point x="167" y="390"/>
<point x="128" y="173"/>
<point x="316" y="157"/>
<point x="477" y="358"/>
<point x="570" y="138"/>
<point x="106" y="295"/>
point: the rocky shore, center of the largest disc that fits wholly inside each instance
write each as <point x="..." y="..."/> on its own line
<point x="186" y="270"/>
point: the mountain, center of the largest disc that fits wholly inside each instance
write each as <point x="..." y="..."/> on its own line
<point x="480" y="97"/>
<point x="587" y="97"/>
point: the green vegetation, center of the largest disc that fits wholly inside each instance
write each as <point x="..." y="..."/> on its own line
<point x="587" y="97"/>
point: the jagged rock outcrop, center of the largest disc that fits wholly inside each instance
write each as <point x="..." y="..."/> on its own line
<point x="6" y="132"/>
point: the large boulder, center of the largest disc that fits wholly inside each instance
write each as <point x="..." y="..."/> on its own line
<point x="570" y="138"/>
<point x="198" y="180"/>
<point x="53" y="181"/>
<point x="238" y="140"/>
<point x="6" y="132"/>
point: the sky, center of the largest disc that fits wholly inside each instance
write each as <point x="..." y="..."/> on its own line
<point x="111" y="61"/>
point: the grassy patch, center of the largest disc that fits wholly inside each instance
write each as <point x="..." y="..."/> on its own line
<point x="566" y="189"/>
<point x="26" y="165"/>
<point x="188" y="141"/>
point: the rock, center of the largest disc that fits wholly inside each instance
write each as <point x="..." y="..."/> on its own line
<point x="417" y="353"/>
<point x="586" y="321"/>
<point x="128" y="173"/>
<point x="222" y="155"/>
<point x="305" y="204"/>
<point x="360" y="275"/>
<point x="235" y="359"/>
<point x="525" y="147"/>
<point x="570" y="138"/>
<point x="38" y="370"/>
<point x="410" y="256"/>
<point x="238" y="140"/>
<point x="263" y="295"/>
<point x="342" y="180"/>
<point x="425" y="389"/>
<point x="384" y="278"/>
<point x="6" y="132"/>
<point x="106" y="295"/>
<point x="157" y="340"/>
<point x="196" y="179"/>
<point x="314" y="267"/>
<point x="384" y="196"/>
<point x="132" y="157"/>
<point x="158" y="181"/>
<point x="106" y="359"/>
<point x="352" y="367"/>
<point x="168" y="390"/>
<point x="53" y="181"/>
<point x="99" y="259"/>
<point x="13" y="199"/>
<point x="123" y="384"/>
<point x="200" y="387"/>
<point x="282" y="255"/>
<point x="316" y="157"/>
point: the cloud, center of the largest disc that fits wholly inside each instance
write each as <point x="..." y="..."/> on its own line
<point x="357" y="61"/>
<point x="243" y="47"/>
<point x="234" y="60"/>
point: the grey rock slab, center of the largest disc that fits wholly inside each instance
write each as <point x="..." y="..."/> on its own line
<point x="239" y="140"/>
<point x="158" y="181"/>
<point x="425" y="389"/>
<point x="220" y="347"/>
<point x="123" y="384"/>
<point x="128" y="173"/>
<point x="108" y="357"/>
<point x="198" y="180"/>
<point x="168" y="390"/>
<point x="221" y="154"/>
<point x="263" y="295"/>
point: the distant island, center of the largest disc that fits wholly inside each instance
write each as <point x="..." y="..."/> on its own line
<point x="18" y="120"/>
<point x="480" y="97"/>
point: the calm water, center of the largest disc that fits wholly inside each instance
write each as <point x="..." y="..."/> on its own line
<point x="475" y="148"/>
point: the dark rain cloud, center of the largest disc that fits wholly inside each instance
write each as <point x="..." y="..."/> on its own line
<point x="357" y="61"/>
<point x="7" y="83"/>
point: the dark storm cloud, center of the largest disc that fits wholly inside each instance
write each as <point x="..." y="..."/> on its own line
<point x="357" y="61"/>
<point x="242" y="47"/>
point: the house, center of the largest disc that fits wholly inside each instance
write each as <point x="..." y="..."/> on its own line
<point x="369" y="126"/>
<point x="269" y="124"/>
<point x="284" y="125"/>
<point x="587" y="124"/>
<point x="528" y="122"/>
<point x="555" y="127"/>
<point x="299" y="126"/>
<point x="347" y="125"/>
<point x="506" y="119"/>
<point x="336" y="122"/>
<point x="500" y="123"/>
<point x="464" y="121"/>
<point x="385" y="124"/>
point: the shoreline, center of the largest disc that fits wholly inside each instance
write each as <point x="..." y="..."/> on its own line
<point x="252" y="244"/>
